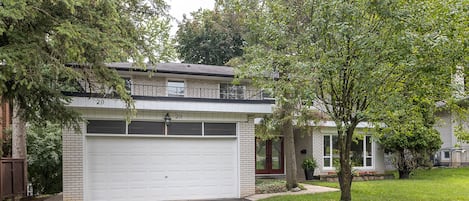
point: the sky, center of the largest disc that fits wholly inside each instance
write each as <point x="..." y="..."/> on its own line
<point x="180" y="7"/>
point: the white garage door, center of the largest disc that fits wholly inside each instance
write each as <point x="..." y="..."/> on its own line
<point x="119" y="168"/>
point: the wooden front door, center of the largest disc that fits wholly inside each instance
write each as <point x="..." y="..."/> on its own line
<point x="269" y="156"/>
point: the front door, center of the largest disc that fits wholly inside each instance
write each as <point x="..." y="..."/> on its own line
<point x="269" y="156"/>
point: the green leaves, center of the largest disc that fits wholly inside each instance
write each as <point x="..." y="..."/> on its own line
<point x="45" y="158"/>
<point x="211" y="37"/>
<point x="37" y="39"/>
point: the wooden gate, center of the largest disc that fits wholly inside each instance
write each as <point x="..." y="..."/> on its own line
<point x="13" y="178"/>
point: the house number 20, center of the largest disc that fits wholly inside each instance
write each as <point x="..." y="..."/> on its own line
<point x="99" y="102"/>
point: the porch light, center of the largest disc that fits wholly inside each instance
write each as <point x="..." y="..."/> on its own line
<point x="167" y="119"/>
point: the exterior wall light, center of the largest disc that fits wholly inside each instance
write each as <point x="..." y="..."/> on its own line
<point x="167" y="119"/>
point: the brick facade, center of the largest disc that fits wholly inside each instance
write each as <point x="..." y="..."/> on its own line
<point x="72" y="164"/>
<point x="247" y="175"/>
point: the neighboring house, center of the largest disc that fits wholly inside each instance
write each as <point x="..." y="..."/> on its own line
<point x="453" y="152"/>
<point x="192" y="137"/>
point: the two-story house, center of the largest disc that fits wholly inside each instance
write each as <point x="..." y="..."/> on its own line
<point x="192" y="137"/>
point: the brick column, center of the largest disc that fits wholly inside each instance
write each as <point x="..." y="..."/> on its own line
<point x="72" y="165"/>
<point x="247" y="158"/>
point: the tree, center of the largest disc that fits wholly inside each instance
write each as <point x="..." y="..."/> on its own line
<point x="409" y="134"/>
<point x="406" y="129"/>
<point x="346" y="57"/>
<point x="45" y="158"/>
<point x="271" y="65"/>
<point x="210" y="37"/>
<point x="37" y="39"/>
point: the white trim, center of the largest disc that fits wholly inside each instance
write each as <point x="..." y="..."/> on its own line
<point x="330" y="155"/>
<point x="203" y="128"/>
<point x="331" y="124"/>
<point x="84" y="164"/>
<point x="238" y="171"/>
<point x="174" y="105"/>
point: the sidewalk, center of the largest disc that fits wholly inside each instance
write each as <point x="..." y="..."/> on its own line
<point x="57" y="197"/>
<point x="310" y="189"/>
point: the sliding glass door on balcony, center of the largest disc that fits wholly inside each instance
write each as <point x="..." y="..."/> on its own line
<point x="175" y="88"/>
<point x="269" y="156"/>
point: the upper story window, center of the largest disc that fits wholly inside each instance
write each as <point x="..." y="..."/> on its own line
<point x="230" y="91"/>
<point x="175" y="88"/>
<point x="361" y="153"/>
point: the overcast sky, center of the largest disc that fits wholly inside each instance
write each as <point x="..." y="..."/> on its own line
<point x="181" y="7"/>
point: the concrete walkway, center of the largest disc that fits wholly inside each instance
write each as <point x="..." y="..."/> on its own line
<point x="57" y="197"/>
<point x="310" y="189"/>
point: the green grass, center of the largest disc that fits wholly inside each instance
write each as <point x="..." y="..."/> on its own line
<point x="436" y="184"/>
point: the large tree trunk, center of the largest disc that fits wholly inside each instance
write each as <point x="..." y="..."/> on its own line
<point x="404" y="164"/>
<point x="345" y="172"/>
<point x="18" y="137"/>
<point x="404" y="174"/>
<point x="290" y="157"/>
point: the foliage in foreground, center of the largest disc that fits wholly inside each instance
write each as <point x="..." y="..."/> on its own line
<point x="37" y="39"/>
<point x="435" y="184"/>
<point x="44" y="146"/>
<point x="346" y="57"/>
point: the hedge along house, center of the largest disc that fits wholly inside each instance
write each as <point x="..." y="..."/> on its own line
<point x="192" y="137"/>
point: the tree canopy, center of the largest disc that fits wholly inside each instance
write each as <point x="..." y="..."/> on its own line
<point x="345" y="58"/>
<point x="37" y="39"/>
<point x="210" y="37"/>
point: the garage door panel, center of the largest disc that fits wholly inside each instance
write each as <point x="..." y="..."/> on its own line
<point x="160" y="168"/>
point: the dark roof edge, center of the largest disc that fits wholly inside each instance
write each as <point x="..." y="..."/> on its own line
<point x="156" y="70"/>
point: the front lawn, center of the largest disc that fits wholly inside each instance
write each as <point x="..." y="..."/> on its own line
<point x="435" y="184"/>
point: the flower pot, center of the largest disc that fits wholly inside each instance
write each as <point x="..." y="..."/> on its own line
<point x="309" y="174"/>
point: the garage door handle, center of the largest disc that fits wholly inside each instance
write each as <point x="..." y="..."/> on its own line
<point x="165" y="177"/>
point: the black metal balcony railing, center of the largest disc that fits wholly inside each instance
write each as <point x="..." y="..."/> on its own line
<point x="144" y="90"/>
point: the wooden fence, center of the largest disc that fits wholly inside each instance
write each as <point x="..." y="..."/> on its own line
<point x="13" y="178"/>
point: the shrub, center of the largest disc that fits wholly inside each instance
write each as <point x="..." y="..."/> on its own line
<point x="44" y="146"/>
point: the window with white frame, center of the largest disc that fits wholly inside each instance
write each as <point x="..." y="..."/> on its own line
<point x="175" y="88"/>
<point x="361" y="153"/>
<point x="446" y="154"/>
<point x="230" y="91"/>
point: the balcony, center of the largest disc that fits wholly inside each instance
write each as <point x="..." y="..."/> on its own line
<point x="236" y="94"/>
